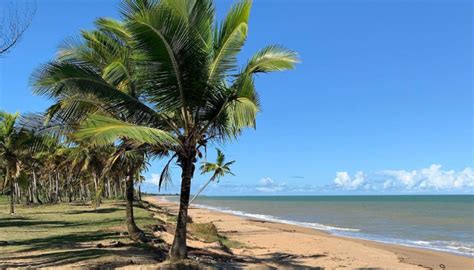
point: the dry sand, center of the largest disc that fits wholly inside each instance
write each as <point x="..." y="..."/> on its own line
<point x="271" y="244"/>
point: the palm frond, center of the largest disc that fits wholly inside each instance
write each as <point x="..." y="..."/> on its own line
<point x="173" y="57"/>
<point x="165" y="176"/>
<point x="229" y="39"/>
<point x="58" y="79"/>
<point x="102" y="130"/>
<point x="272" y="58"/>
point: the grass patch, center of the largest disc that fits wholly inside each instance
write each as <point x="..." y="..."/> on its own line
<point x="207" y="232"/>
<point x="51" y="228"/>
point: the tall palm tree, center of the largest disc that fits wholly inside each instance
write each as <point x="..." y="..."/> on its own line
<point x="176" y="86"/>
<point x="101" y="75"/>
<point x="218" y="169"/>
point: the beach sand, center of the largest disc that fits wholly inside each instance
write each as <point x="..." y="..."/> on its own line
<point x="270" y="244"/>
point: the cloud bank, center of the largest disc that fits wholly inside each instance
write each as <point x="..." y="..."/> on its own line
<point x="345" y="181"/>
<point x="266" y="184"/>
<point x="432" y="178"/>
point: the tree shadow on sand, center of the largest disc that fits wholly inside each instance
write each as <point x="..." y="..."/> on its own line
<point x="63" y="241"/>
<point x="118" y="257"/>
<point x="276" y="260"/>
<point x="90" y="250"/>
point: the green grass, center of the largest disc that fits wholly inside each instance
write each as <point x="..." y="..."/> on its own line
<point x="207" y="232"/>
<point x="64" y="231"/>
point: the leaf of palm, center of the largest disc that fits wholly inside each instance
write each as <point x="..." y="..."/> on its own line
<point x="172" y="55"/>
<point x="229" y="39"/>
<point x="102" y="130"/>
<point x="60" y="79"/>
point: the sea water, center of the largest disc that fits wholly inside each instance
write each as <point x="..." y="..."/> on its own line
<point x="441" y="222"/>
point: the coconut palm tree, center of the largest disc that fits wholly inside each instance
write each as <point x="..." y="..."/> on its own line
<point x="131" y="160"/>
<point x="218" y="169"/>
<point x="14" y="143"/>
<point x="101" y="75"/>
<point x="86" y="158"/>
<point x="177" y="85"/>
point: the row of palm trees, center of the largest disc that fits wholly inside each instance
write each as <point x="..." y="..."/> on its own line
<point x="39" y="168"/>
<point x="163" y="81"/>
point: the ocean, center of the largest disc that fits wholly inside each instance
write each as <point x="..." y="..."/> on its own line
<point x="444" y="222"/>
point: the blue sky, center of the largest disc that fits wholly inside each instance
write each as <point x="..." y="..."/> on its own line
<point x="381" y="103"/>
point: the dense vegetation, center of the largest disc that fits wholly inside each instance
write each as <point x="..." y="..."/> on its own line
<point x="162" y="82"/>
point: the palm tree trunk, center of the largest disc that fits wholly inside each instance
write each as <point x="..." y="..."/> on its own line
<point x="12" y="201"/>
<point x="29" y="198"/>
<point x="115" y="189"/>
<point x="50" y="192"/>
<point x="179" y="250"/>
<point x="199" y="192"/>
<point x="97" y="195"/>
<point x="18" y="193"/>
<point x="108" y="188"/>
<point x="35" y="188"/>
<point x="140" y="192"/>
<point x="70" y="190"/>
<point x="81" y="192"/>
<point x="56" y="193"/>
<point x="133" y="231"/>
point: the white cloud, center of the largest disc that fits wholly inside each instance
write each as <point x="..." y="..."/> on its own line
<point x="424" y="179"/>
<point x="266" y="181"/>
<point x="155" y="179"/>
<point x="387" y="184"/>
<point x="345" y="181"/>
<point x="266" y="184"/>
<point x="433" y="178"/>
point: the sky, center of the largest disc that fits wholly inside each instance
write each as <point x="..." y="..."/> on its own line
<point x="381" y="103"/>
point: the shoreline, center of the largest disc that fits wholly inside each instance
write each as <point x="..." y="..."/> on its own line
<point x="332" y="251"/>
<point x="331" y="230"/>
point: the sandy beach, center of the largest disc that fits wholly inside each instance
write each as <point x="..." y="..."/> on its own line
<point x="270" y="244"/>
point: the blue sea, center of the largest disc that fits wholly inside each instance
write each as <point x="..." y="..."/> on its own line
<point x="444" y="223"/>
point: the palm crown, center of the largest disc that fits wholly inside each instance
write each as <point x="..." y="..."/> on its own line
<point x="218" y="170"/>
<point x="165" y="76"/>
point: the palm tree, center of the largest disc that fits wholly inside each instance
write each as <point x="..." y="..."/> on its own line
<point x="87" y="158"/>
<point x="132" y="160"/>
<point x="100" y="76"/>
<point x="219" y="169"/>
<point x="13" y="144"/>
<point x="176" y="86"/>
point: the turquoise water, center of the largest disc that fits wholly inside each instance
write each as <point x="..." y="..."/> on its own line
<point x="435" y="222"/>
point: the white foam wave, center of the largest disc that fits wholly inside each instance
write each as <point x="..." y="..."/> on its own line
<point x="274" y="219"/>
<point x="464" y="249"/>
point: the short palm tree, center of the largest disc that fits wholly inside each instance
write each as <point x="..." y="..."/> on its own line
<point x="14" y="142"/>
<point x="131" y="160"/>
<point x="218" y="170"/>
<point x="173" y="82"/>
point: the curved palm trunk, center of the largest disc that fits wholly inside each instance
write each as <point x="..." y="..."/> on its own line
<point x="179" y="250"/>
<point x="133" y="231"/>
<point x="199" y="192"/>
